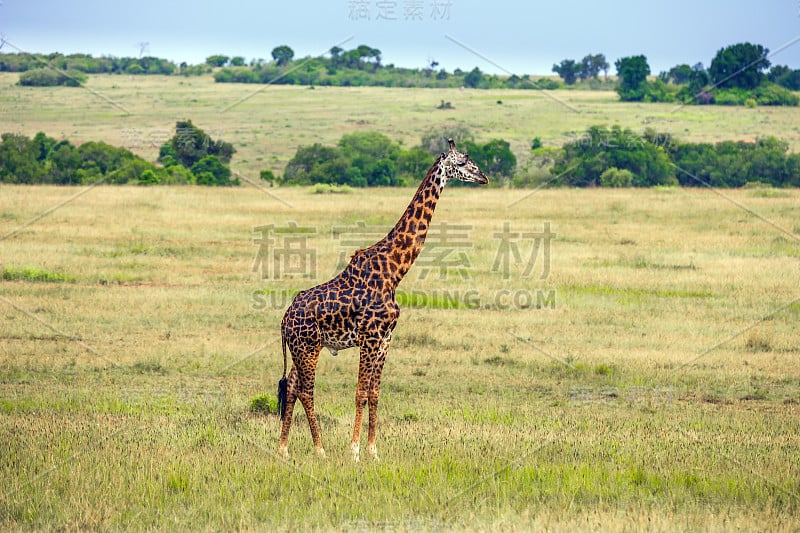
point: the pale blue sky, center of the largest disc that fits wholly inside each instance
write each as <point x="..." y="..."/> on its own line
<point x="521" y="37"/>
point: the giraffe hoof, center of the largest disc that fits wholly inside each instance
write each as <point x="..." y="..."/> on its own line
<point x="321" y="452"/>
<point x="283" y="451"/>
<point x="356" y="451"/>
<point x="373" y="451"/>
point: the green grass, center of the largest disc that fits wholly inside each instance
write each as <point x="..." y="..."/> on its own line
<point x="148" y="403"/>
<point x="30" y="273"/>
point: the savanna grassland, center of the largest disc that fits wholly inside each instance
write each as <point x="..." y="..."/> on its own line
<point x="646" y="377"/>
<point x="266" y="124"/>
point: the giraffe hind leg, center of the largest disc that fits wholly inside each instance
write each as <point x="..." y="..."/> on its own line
<point x="305" y="363"/>
<point x="286" y="421"/>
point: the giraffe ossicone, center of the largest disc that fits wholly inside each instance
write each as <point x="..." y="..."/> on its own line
<point x="358" y="308"/>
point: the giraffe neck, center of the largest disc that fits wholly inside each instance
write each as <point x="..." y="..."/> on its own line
<point x="404" y="242"/>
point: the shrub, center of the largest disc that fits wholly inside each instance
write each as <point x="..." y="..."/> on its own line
<point x="731" y="97"/>
<point x="211" y="171"/>
<point x="265" y="405"/>
<point x="267" y="175"/>
<point x="771" y="94"/>
<point x="49" y="77"/>
<point x="614" y="177"/>
<point x="581" y="163"/>
<point x="148" y="177"/>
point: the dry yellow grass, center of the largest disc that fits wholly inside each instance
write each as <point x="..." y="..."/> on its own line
<point x="661" y="392"/>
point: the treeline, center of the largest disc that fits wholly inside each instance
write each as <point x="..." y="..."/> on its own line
<point x="617" y="157"/>
<point x="602" y="157"/>
<point x="370" y="159"/>
<point x="360" y="66"/>
<point x="739" y="74"/>
<point x="189" y="157"/>
<point x="87" y="64"/>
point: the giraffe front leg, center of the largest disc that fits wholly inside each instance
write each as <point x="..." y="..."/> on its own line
<point x="373" y="356"/>
<point x="372" y="399"/>
<point x="361" y="401"/>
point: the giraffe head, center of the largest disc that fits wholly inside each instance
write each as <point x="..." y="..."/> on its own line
<point x="458" y="166"/>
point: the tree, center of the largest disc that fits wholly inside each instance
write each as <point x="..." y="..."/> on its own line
<point x="412" y="164"/>
<point x="632" y="72"/>
<point x="785" y="77"/>
<point x="19" y="160"/>
<point x="435" y="141"/>
<point x="190" y="144"/>
<point x="217" y="60"/>
<point x="495" y="157"/>
<point x="474" y="78"/>
<point x="282" y="55"/>
<point x="65" y="161"/>
<point x="299" y="167"/>
<point x="679" y="74"/>
<point x="602" y="64"/>
<point x="567" y="70"/>
<point x="375" y="54"/>
<point x="210" y="171"/>
<point x="373" y="154"/>
<point x="741" y="66"/>
<point x="591" y="65"/>
<point x="237" y="61"/>
<point x="583" y="162"/>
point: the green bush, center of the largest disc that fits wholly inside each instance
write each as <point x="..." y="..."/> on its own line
<point x="731" y="97"/>
<point x="148" y="177"/>
<point x="613" y="157"/>
<point x="614" y="177"/>
<point x="734" y="164"/>
<point x="49" y="77"/>
<point x="195" y="150"/>
<point x="371" y="159"/>
<point x="265" y="405"/>
<point x="46" y="160"/>
<point x="581" y="163"/>
<point x="772" y="94"/>
<point x="267" y="175"/>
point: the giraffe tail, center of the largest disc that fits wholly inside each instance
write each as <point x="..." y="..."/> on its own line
<point x="282" y="384"/>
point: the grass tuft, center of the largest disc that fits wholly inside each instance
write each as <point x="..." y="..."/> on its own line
<point x="34" y="274"/>
<point x="264" y="405"/>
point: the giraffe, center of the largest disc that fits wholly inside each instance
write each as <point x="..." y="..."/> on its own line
<point x="358" y="308"/>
